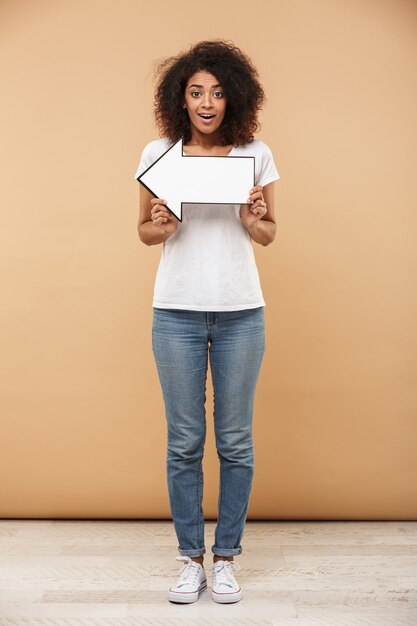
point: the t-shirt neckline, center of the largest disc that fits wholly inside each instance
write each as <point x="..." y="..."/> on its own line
<point x="226" y="155"/>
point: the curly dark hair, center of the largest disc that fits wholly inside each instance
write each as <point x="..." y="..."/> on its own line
<point x="233" y="69"/>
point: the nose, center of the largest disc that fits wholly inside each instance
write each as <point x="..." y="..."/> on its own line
<point x="207" y="101"/>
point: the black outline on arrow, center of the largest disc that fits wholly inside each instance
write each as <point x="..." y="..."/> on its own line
<point x="196" y="156"/>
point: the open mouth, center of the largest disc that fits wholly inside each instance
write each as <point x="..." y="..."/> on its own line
<point x="206" y="118"/>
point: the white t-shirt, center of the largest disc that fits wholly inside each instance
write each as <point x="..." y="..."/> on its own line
<point x="208" y="263"/>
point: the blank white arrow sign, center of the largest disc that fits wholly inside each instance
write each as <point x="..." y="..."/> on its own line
<point x="181" y="179"/>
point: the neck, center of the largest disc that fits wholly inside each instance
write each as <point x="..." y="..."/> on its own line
<point x="205" y="141"/>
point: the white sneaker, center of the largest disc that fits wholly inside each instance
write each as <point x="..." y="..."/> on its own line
<point x="192" y="580"/>
<point x="225" y="587"/>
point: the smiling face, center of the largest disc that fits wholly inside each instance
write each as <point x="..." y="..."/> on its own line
<point x="204" y="96"/>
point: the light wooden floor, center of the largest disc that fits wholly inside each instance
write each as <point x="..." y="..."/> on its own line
<point x="102" y="573"/>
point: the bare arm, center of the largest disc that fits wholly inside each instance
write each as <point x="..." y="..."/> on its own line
<point x="263" y="230"/>
<point x="149" y="232"/>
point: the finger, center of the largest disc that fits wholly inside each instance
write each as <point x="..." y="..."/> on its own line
<point x="257" y="195"/>
<point x="161" y="215"/>
<point x="156" y="201"/>
<point x="160" y="209"/>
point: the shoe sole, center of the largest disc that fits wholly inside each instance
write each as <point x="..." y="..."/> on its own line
<point x="235" y="596"/>
<point x="189" y="596"/>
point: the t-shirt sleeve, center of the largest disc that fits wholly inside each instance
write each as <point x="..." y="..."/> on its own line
<point x="146" y="160"/>
<point x="268" y="170"/>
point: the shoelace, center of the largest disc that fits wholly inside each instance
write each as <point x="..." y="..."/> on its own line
<point x="224" y="572"/>
<point x="190" y="569"/>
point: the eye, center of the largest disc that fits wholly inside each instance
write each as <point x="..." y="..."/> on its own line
<point x="193" y="92"/>
<point x="220" y="92"/>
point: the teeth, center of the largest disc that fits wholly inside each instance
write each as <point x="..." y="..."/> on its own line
<point x="206" y="116"/>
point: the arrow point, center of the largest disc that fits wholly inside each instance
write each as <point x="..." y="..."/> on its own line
<point x="176" y="209"/>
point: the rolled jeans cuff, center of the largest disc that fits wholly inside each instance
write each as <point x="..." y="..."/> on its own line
<point x="192" y="553"/>
<point x="225" y="552"/>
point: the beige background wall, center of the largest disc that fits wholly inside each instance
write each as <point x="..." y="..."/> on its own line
<point x="82" y="417"/>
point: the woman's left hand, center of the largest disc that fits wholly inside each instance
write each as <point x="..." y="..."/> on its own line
<point x="249" y="214"/>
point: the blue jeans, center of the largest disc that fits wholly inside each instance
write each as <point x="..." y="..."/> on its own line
<point x="182" y="341"/>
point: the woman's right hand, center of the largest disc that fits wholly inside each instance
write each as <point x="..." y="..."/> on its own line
<point x="163" y="218"/>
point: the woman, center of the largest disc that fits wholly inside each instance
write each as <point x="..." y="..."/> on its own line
<point x="208" y="303"/>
